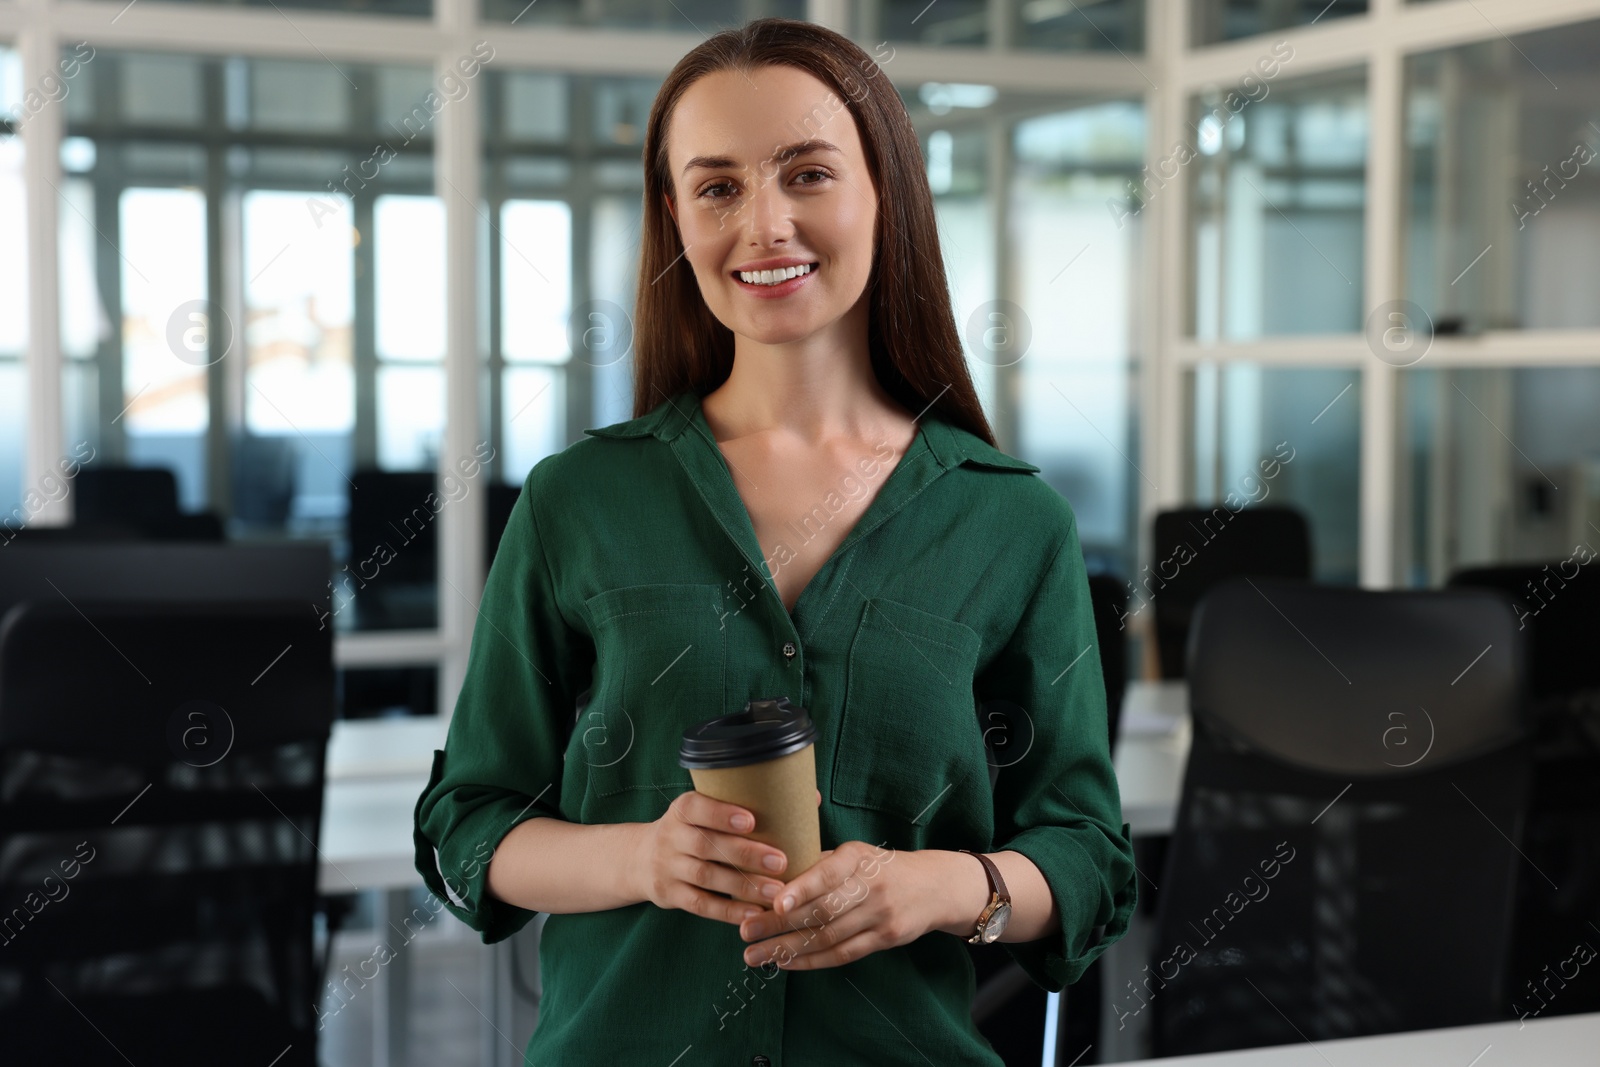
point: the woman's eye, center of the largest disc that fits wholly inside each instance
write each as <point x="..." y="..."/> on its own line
<point x="709" y="191"/>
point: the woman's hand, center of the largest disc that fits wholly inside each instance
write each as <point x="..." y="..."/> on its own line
<point x="857" y="899"/>
<point x="687" y="860"/>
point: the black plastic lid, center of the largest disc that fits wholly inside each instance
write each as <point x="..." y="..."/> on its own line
<point x="764" y="730"/>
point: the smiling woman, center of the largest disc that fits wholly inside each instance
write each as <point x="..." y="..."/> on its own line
<point x="793" y="329"/>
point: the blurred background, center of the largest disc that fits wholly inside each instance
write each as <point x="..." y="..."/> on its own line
<point x="270" y="253"/>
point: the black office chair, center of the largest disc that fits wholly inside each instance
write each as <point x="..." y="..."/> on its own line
<point x="71" y="534"/>
<point x="141" y="501"/>
<point x="1194" y="548"/>
<point x="1108" y="596"/>
<point x="1559" y="605"/>
<point x="161" y="777"/>
<point x="265" y="475"/>
<point x="502" y="499"/>
<point x="395" y="587"/>
<point x="1078" y="1024"/>
<point x="1345" y="856"/>
<point x="1007" y="1007"/>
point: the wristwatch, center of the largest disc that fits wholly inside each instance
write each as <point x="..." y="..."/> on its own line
<point x="992" y="921"/>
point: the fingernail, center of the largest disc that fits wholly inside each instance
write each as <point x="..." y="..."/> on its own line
<point x="787" y="903"/>
<point x="742" y="822"/>
<point x="773" y="863"/>
<point x="769" y="891"/>
<point x="751" y="913"/>
<point x="753" y="956"/>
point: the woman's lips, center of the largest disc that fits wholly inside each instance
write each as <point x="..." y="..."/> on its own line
<point x="780" y="289"/>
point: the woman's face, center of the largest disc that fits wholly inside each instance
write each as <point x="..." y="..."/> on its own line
<point x="743" y="197"/>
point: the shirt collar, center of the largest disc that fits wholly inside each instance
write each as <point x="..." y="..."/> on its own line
<point x="951" y="445"/>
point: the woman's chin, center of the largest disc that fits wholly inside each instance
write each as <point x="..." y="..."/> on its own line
<point x="782" y="330"/>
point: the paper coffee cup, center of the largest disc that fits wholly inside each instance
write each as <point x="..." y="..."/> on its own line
<point x="763" y="759"/>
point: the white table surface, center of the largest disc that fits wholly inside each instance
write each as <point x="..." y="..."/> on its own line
<point x="1152" y="747"/>
<point x="377" y="768"/>
<point x="1559" y="1041"/>
<point x="379" y="748"/>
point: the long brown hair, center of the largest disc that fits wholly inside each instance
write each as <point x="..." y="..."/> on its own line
<point x="911" y="333"/>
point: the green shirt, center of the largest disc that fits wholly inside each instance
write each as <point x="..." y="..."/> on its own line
<point x="948" y="641"/>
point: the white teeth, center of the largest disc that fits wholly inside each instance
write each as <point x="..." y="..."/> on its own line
<point x="773" y="277"/>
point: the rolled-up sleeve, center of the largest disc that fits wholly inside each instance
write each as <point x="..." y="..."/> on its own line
<point x="1058" y="804"/>
<point x="502" y="760"/>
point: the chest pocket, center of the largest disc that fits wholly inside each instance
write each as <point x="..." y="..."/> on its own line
<point x="659" y="662"/>
<point x="909" y="729"/>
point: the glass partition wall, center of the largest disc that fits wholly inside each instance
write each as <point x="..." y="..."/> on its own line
<point x="370" y="246"/>
<point x="344" y="286"/>
<point x="1380" y="249"/>
<point x="13" y="298"/>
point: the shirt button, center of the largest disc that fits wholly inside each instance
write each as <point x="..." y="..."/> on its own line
<point x="789" y="650"/>
<point x="760" y="1061"/>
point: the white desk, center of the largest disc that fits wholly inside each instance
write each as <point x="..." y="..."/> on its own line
<point x="366" y="833"/>
<point x="1559" y="1041"/>
<point x="376" y="771"/>
<point x="1152" y="747"/>
<point x="378" y="748"/>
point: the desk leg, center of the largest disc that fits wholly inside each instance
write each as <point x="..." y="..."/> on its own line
<point x="495" y="1047"/>
<point x="1052" y="1026"/>
<point x="1124" y="1025"/>
<point x="394" y="985"/>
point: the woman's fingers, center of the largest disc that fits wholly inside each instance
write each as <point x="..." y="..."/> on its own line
<point x="863" y="943"/>
<point x="721" y="878"/>
<point x="836" y="870"/>
<point x="735" y="850"/>
<point x="751" y="855"/>
<point x="712" y="860"/>
<point x="713" y="856"/>
<point x="818" y="935"/>
<point x="697" y="901"/>
<point x="697" y="808"/>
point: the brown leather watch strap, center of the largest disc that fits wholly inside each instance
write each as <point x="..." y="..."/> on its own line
<point x="996" y="883"/>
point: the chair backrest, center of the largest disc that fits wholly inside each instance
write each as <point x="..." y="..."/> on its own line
<point x="1108" y="597"/>
<point x="1344" y="860"/>
<point x="135" y="503"/>
<point x="161" y="779"/>
<point x="1194" y="548"/>
<point x="1559" y="605"/>
<point x="266" y="473"/>
<point x="34" y="535"/>
<point x="90" y="569"/>
<point x="502" y="500"/>
<point x="391" y="508"/>
<point x="132" y="495"/>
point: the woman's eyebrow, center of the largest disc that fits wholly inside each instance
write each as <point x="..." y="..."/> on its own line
<point x="799" y="148"/>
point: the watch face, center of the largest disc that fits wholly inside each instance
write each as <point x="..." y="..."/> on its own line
<point x="997" y="923"/>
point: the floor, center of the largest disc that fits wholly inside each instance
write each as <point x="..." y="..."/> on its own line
<point x="447" y="981"/>
<point x="447" y="975"/>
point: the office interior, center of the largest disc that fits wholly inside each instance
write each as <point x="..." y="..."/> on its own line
<point x="1297" y="303"/>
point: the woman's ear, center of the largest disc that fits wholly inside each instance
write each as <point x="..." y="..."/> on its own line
<point x="671" y="209"/>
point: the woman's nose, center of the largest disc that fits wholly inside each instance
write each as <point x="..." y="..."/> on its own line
<point x="769" y="214"/>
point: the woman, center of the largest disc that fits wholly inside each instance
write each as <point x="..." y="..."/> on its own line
<point x="821" y="430"/>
